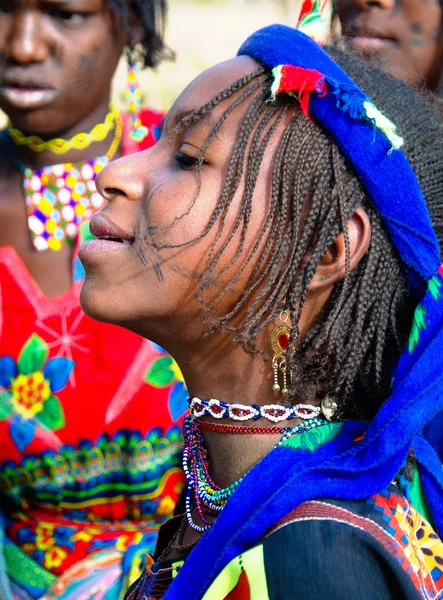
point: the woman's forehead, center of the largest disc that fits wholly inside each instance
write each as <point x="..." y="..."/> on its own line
<point x="210" y="83"/>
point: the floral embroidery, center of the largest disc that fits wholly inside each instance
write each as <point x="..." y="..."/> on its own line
<point x="27" y="390"/>
<point x="56" y="546"/>
<point x="165" y="372"/>
<point x="47" y="543"/>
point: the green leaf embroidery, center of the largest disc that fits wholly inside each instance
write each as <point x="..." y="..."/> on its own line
<point x="5" y="405"/>
<point x="418" y="325"/>
<point x="434" y="286"/>
<point x="161" y="374"/>
<point x="33" y="355"/>
<point x="313" y="439"/>
<point x="52" y="415"/>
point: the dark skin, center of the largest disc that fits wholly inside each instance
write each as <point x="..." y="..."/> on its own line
<point x="150" y="189"/>
<point x="405" y="37"/>
<point x="70" y="49"/>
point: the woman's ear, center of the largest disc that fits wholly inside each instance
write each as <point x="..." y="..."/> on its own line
<point x="332" y="267"/>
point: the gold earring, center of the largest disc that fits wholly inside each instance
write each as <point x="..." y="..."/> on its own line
<point x="280" y="344"/>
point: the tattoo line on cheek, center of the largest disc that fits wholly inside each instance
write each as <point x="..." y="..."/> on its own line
<point x="82" y="62"/>
<point x="417" y="28"/>
<point x="59" y="51"/>
<point x="88" y="64"/>
<point x="156" y="266"/>
<point x="158" y="272"/>
<point x="418" y="42"/>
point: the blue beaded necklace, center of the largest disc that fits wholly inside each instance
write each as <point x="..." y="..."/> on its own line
<point x="208" y="496"/>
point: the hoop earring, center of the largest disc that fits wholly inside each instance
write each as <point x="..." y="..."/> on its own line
<point x="133" y="96"/>
<point x="280" y="345"/>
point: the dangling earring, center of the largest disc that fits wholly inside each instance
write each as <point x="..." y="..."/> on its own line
<point x="133" y="96"/>
<point x="280" y="345"/>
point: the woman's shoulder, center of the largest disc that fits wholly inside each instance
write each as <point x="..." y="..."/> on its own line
<point x="375" y="549"/>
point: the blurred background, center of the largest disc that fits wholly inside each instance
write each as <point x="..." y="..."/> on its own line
<point x="203" y="33"/>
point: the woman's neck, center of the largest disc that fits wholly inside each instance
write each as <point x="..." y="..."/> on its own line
<point x="234" y="377"/>
<point x="37" y="160"/>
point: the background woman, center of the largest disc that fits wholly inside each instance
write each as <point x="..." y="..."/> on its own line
<point x="405" y="38"/>
<point x="89" y="447"/>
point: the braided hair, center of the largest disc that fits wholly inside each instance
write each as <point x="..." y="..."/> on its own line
<point x="151" y="16"/>
<point x="350" y="352"/>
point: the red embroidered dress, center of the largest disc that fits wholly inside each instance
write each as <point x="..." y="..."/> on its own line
<point x="89" y="479"/>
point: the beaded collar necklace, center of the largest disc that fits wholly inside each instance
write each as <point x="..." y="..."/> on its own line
<point x="208" y="496"/>
<point x="59" y="198"/>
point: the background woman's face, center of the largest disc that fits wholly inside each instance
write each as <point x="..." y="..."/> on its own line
<point x="133" y="283"/>
<point x="57" y="60"/>
<point x="404" y="36"/>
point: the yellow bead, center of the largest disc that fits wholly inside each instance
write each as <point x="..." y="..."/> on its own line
<point x="54" y="244"/>
<point x="45" y="207"/>
<point x="71" y="181"/>
<point x="50" y="226"/>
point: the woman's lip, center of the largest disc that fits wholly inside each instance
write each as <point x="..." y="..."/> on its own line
<point x="103" y="227"/>
<point x="27" y="98"/>
<point x="92" y="248"/>
<point x="363" y="42"/>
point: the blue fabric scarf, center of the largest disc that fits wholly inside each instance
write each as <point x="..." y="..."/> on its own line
<point x="346" y="468"/>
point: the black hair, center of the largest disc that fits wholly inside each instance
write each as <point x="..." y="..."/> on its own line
<point x="151" y="18"/>
<point x="350" y="352"/>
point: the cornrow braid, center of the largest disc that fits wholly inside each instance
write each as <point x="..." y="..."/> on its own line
<point x="350" y="351"/>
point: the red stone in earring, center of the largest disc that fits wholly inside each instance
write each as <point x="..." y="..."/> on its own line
<point x="280" y="344"/>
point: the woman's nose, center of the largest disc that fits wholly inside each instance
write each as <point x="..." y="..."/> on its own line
<point x="125" y="177"/>
<point x="27" y="41"/>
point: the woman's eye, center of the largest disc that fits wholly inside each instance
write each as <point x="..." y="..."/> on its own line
<point x="70" y="17"/>
<point x="184" y="161"/>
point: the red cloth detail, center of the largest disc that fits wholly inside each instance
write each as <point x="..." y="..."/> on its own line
<point x="109" y="360"/>
<point x="242" y="591"/>
<point x="150" y="119"/>
<point x="305" y="10"/>
<point x="303" y="81"/>
<point x="110" y="365"/>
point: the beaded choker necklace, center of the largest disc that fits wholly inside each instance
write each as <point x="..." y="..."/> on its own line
<point x="241" y="412"/>
<point x="209" y="497"/>
<point x="59" y="198"/>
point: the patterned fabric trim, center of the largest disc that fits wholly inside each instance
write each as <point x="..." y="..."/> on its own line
<point x="406" y="536"/>
<point x="127" y="457"/>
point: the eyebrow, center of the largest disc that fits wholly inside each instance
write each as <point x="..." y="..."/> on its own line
<point x="183" y="114"/>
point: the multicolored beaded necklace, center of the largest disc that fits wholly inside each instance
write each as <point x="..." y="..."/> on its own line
<point x="59" y="198"/>
<point x="208" y="496"/>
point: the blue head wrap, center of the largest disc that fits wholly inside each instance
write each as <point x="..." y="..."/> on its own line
<point x="345" y="468"/>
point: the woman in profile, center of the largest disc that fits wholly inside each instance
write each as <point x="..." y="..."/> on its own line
<point x="279" y="243"/>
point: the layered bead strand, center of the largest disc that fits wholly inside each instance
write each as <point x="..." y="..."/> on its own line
<point x="208" y="496"/>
